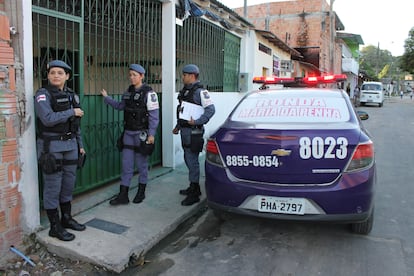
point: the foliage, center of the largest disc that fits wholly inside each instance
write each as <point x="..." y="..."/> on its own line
<point x="407" y="59"/>
<point x="378" y="63"/>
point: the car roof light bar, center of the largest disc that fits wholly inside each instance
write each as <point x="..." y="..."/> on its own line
<point x="301" y="82"/>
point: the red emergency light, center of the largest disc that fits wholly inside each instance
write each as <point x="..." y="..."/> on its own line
<point x="324" y="79"/>
<point x="272" y="80"/>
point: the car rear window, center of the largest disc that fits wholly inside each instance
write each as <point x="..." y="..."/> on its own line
<point x="286" y="108"/>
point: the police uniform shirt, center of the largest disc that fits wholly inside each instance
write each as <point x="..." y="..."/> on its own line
<point x="152" y="108"/>
<point x="50" y="118"/>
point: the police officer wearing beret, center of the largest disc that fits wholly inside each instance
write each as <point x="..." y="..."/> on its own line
<point x="59" y="146"/>
<point x="141" y="118"/>
<point x="192" y="130"/>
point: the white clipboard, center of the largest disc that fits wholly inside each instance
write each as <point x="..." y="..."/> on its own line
<point x="190" y="110"/>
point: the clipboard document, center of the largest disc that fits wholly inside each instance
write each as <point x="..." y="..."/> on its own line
<point x="190" y="110"/>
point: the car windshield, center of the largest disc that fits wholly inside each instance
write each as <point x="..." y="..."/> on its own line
<point x="283" y="107"/>
<point x="375" y="87"/>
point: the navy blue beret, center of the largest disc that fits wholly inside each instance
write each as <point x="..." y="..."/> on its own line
<point x="59" y="63"/>
<point x="191" y="69"/>
<point x="137" y="68"/>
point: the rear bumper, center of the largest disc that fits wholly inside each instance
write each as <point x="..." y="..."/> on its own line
<point x="336" y="218"/>
<point x="350" y="199"/>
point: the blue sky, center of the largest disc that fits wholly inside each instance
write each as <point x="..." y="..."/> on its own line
<point x="386" y="23"/>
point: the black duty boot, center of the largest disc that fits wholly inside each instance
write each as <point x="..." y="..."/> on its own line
<point x="56" y="229"/>
<point x="193" y="195"/>
<point x="140" y="194"/>
<point x="67" y="220"/>
<point x="187" y="191"/>
<point x="122" y="197"/>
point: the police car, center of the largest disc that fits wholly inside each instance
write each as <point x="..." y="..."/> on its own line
<point x="294" y="153"/>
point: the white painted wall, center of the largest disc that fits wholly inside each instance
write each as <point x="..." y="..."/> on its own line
<point x="224" y="103"/>
<point x="28" y="185"/>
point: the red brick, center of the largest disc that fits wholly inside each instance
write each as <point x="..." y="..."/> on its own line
<point x="14" y="216"/>
<point x="11" y="122"/>
<point x="3" y="222"/>
<point x="13" y="172"/>
<point x="6" y="54"/>
<point x="12" y="79"/>
<point x="14" y="237"/>
<point x="8" y="103"/>
<point x="5" y="28"/>
<point x="8" y="151"/>
<point x="2" y="179"/>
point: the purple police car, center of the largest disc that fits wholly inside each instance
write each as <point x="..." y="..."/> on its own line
<point x="293" y="153"/>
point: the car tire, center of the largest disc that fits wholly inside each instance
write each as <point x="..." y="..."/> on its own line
<point x="365" y="227"/>
<point x="380" y="104"/>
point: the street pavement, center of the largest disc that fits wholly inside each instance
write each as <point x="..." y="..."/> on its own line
<point x="117" y="234"/>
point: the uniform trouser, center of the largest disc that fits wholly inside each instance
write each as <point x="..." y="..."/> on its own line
<point x="58" y="187"/>
<point x="130" y="158"/>
<point x="190" y="158"/>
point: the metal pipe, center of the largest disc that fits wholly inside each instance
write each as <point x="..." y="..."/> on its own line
<point x="27" y="259"/>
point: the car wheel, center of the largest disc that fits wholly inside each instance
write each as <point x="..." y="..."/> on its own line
<point x="365" y="227"/>
<point x="380" y="105"/>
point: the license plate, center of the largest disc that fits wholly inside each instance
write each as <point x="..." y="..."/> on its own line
<point x="369" y="100"/>
<point x="281" y="205"/>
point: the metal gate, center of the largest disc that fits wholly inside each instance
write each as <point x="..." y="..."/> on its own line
<point x="99" y="39"/>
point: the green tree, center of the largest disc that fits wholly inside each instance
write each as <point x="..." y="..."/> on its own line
<point x="374" y="61"/>
<point x="407" y="59"/>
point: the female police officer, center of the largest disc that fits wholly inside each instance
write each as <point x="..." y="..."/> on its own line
<point x="59" y="145"/>
<point x="141" y="118"/>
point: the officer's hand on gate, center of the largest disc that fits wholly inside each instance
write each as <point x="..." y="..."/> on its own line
<point x="175" y="131"/>
<point x="104" y="93"/>
<point x="78" y="112"/>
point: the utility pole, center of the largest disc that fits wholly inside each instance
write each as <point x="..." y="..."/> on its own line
<point x="245" y="9"/>
<point x="332" y="37"/>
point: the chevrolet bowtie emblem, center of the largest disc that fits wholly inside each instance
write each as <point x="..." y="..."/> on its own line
<point x="281" y="152"/>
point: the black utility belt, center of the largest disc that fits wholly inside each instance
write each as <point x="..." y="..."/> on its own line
<point x="63" y="137"/>
<point x="187" y="125"/>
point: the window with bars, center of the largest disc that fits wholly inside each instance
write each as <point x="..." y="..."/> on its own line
<point x="286" y="66"/>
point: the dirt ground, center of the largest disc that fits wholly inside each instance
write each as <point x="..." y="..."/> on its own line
<point x="47" y="263"/>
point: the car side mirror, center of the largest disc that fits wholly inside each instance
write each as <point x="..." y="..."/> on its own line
<point x="362" y="115"/>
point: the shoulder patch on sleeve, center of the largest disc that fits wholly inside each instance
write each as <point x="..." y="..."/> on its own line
<point x="205" y="98"/>
<point x="152" y="101"/>
<point x="41" y="97"/>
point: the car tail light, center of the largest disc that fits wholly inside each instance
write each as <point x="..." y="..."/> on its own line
<point x="213" y="154"/>
<point x="363" y="157"/>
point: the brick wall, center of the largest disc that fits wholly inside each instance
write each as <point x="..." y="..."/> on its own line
<point x="305" y="22"/>
<point x="11" y="232"/>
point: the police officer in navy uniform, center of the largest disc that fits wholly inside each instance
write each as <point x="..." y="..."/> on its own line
<point x="141" y="118"/>
<point x="59" y="146"/>
<point x="192" y="130"/>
